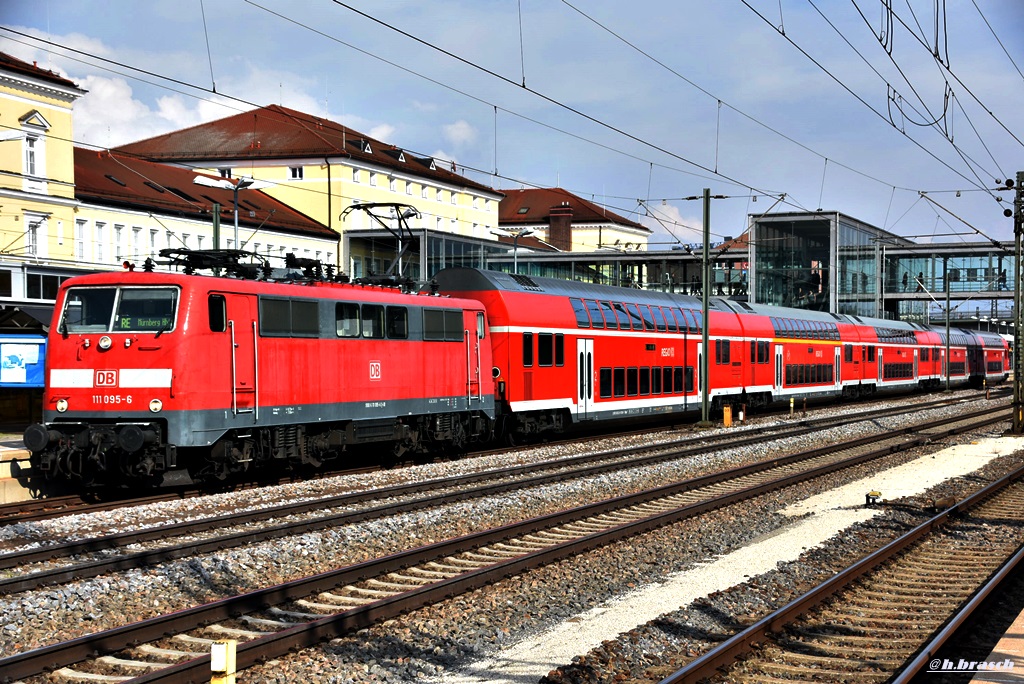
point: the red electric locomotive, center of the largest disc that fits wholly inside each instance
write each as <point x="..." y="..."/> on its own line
<point x="165" y="378"/>
<point x="567" y="352"/>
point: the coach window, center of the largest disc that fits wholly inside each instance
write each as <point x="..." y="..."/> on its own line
<point x="621" y="316"/>
<point x="596" y="319"/>
<point x="609" y="316"/>
<point x="871" y="353"/>
<point x="659" y="319"/>
<point x="677" y="380"/>
<point x="346" y="318"/>
<point x="666" y="380"/>
<point x="631" y="381"/>
<point x="545" y="348"/>
<point x="218" y="313"/>
<point x="619" y="382"/>
<point x="670" y="319"/>
<point x="559" y="349"/>
<point x="722" y="355"/>
<point x="645" y="381"/>
<point x="645" y="313"/>
<point x="481" y="325"/>
<point x="636" y="319"/>
<point x="656" y="380"/>
<point x="698" y="319"/>
<point x="582" y="318"/>
<point x="305" y="318"/>
<point x="397" y="322"/>
<point x="605" y="382"/>
<point x="528" y="349"/>
<point x="848" y="353"/>
<point x="373" y="321"/>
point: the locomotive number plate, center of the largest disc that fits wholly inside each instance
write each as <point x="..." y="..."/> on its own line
<point x="111" y="399"/>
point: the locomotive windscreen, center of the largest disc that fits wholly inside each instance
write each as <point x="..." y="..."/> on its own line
<point x="119" y="309"/>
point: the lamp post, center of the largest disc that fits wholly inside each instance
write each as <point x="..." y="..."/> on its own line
<point x="228" y="184"/>
<point x="515" y="235"/>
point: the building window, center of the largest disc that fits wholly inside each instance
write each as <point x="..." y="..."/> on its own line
<point x="437" y="195"/>
<point x="99" y="240"/>
<point x="476" y="202"/>
<point x="392" y="185"/>
<point x="152" y="242"/>
<point x="423" y="192"/>
<point x="408" y="188"/>
<point x="355" y="175"/>
<point x="454" y="195"/>
<point x="6" y="289"/>
<point x="31" y="150"/>
<point x="373" y="179"/>
<point x="225" y="173"/>
<point x="80" y="240"/>
<point x="136" y="241"/>
<point x="295" y="172"/>
<point x="118" y="242"/>
<point x="32" y="239"/>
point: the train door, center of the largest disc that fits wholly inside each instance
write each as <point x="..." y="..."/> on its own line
<point x="475" y="330"/>
<point x="778" y="369"/>
<point x="585" y="378"/>
<point x="839" y="367"/>
<point x="881" y="368"/>
<point x="240" y="324"/>
<point x="916" y="369"/>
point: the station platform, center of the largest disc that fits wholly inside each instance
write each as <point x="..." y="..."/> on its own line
<point x="11" y="449"/>
<point x="1007" y="657"/>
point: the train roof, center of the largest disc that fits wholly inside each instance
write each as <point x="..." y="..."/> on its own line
<point x="464" y="279"/>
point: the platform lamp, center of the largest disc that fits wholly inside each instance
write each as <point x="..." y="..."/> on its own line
<point x="515" y="234"/>
<point x="234" y="186"/>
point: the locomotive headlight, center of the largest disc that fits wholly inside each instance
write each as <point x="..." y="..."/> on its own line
<point x="62" y="405"/>
<point x="105" y="342"/>
<point x="156" y="406"/>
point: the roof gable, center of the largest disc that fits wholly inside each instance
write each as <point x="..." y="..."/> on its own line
<point x="276" y="132"/>
<point x="533" y="205"/>
<point x="106" y="178"/>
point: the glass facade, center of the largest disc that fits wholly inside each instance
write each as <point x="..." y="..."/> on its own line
<point x="793" y="263"/>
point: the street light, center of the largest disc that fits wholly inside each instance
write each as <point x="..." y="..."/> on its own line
<point x="515" y="235"/>
<point x="234" y="186"/>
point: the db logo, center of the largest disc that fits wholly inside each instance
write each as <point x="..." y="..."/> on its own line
<point x="106" y="378"/>
<point x="375" y="370"/>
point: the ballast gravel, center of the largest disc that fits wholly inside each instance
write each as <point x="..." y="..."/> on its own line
<point x="448" y="639"/>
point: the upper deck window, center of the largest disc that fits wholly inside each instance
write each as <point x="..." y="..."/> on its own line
<point x="119" y="309"/>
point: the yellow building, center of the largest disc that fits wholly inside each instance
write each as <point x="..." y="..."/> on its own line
<point x="37" y="188"/>
<point x="322" y="168"/>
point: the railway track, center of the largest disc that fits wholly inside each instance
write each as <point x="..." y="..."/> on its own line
<point x="18" y="574"/>
<point x="273" y="621"/>
<point x="55" y="506"/>
<point x="866" y="623"/>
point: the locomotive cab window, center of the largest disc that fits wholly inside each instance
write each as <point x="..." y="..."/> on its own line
<point x="217" y="305"/>
<point x="527" y="349"/>
<point x="120" y="309"/>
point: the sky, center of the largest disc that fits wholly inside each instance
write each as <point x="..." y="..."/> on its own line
<point x="904" y="114"/>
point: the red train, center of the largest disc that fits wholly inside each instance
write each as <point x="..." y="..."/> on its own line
<point x="165" y="378"/>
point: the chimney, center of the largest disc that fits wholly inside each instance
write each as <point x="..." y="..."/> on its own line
<point x="560" y="227"/>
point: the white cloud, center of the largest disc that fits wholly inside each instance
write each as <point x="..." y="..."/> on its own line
<point x="460" y="133"/>
<point x="382" y="132"/>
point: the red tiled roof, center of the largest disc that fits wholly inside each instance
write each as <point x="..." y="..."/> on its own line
<point x="276" y="132"/>
<point x="106" y="178"/>
<point x="13" y="64"/>
<point x="533" y="206"/>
